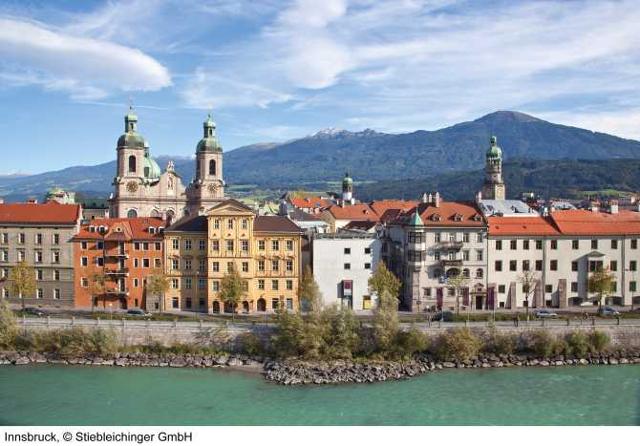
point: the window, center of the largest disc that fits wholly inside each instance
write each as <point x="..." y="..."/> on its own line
<point x="216" y="223"/>
<point x="289" y="304"/>
<point x="21" y="238"/>
<point x="175" y="302"/>
<point x="498" y="265"/>
<point x="187" y="244"/>
<point x="415" y="256"/>
<point x="175" y="284"/>
<point x="39" y="274"/>
<point x="216" y="267"/>
<point x="526" y="265"/>
<point x="175" y="243"/>
<point x="188" y="283"/>
<point x="84" y="282"/>
<point x="230" y="224"/>
<point x="158" y="246"/>
<point x="513" y="265"/>
<point x="40" y="293"/>
<point x="594" y="244"/>
<point x="633" y="265"/>
<point x="574" y="266"/>
<point x="513" y="244"/>
<point x="145" y="263"/>
<point x="175" y="264"/>
<point x="202" y="265"/>
<point x="289" y="265"/>
<point x="157" y="263"/>
<point x="4" y="238"/>
<point x="613" y="266"/>
<point x="438" y="237"/>
<point x="289" y="284"/>
<point x="465" y="255"/>
<point x="245" y="267"/>
<point x="480" y="237"/>
<point x="499" y="245"/>
<point x="215" y="245"/>
<point x="56" y="239"/>
<point x="229" y="245"/>
<point x="275" y="304"/>
<point x="245" y="223"/>
<point x="367" y="250"/>
<point x="575" y="244"/>
<point x="632" y="286"/>
<point x="367" y="266"/>
<point x="244" y="245"/>
<point x="415" y="237"/>
<point x="38" y="256"/>
<point x="100" y="245"/>
<point x="548" y="288"/>
<point x="100" y="261"/>
<point x="614" y="286"/>
<point x="538" y="244"/>
<point x="595" y="265"/>
<point x="136" y="283"/>
<point x="436" y="255"/>
<point x="261" y="284"/>
<point x="452" y="237"/>
<point x="132" y="163"/>
<point x="136" y="246"/>
<point x="275" y="265"/>
<point x="215" y="285"/>
<point x="554" y="244"/>
<point x="347" y="266"/>
<point x="502" y="289"/>
<point x="465" y="237"/>
<point x="4" y="255"/>
<point x="202" y="245"/>
<point x="553" y="265"/>
<point x="538" y="265"/>
<point x="479" y="255"/>
<point x="187" y="264"/>
<point x="260" y="265"/>
<point x="479" y="273"/>
<point x="20" y="255"/>
<point x="614" y="244"/>
<point x="634" y="244"/>
<point x="202" y="284"/>
<point x="187" y="302"/>
<point x="56" y="275"/>
<point x="83" y="245"/>
<point x="574" y="287"/>
<point x="55" y="257"/>
<point x="275" y="245"/>
<point x="84" y="261"/>
<point x="212" y="167"/>
<point x="38" y="239"/>
<point x="525" y="244"/>
<point x="229" y="266"/>
<point x="261" y="245"/>
<point x="289" y="245"/>
<point x="245" y="285"/>
<point x="274" y="285"/>
<point x="56" y="293"/>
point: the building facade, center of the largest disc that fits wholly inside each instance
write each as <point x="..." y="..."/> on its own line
<point x="120" y="254"/>
<point x="142" y="189"/>
<point x="264" y="250"/>
<point x="39" y="235"/>
<point x="343" y="262"/>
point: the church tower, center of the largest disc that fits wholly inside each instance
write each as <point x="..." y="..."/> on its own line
<point x="493" y="188"/>
<point x="347" y="190"/>
<point x="207" y="188"/>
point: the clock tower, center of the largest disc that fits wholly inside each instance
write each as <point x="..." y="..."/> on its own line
<point x="207" y="187"/>
<point x="493" y="188"/>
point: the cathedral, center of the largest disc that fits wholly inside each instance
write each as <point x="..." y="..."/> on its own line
<point x="142" y="189"/>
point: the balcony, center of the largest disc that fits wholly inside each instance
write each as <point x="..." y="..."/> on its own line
<point x="450" y="262"/>
<point x="118" y="255"/>
<point x="117" y="292"/>
<point x="417" y="246"/>
<point x="117" y="271"/>
<point x="451" y="246"/>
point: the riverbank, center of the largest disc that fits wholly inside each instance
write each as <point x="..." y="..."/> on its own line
<point x="299" y="372"/>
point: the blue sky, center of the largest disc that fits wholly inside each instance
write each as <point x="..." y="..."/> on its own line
<point x="276" y="70"/>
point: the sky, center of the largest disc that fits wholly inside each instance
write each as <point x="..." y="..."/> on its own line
<point x="276" y="70"/>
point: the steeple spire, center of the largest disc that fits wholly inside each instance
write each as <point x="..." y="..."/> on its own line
<point x="130" y="120"/>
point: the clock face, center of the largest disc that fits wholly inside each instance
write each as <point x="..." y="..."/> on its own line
<point x="213" y="188"/>
<point x="132" y="186"/>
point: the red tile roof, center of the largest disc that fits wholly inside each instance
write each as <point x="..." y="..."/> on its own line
<point x="584" y="222"/>
<point x="354" y="212"/>
<point x="122" y="229"/>
<point x="514" y="226"/>
<point x="51" y="213"/>
<point x="310" y="202"/>
<point x="449" y="213"/>
<point x="274" y="223"/>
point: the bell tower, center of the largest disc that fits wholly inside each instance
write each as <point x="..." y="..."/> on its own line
<point x="493" y="188"/>
<point x="207" y="188"/>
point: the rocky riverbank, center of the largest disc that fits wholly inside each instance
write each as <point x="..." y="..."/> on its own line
<point x="298" y="372"/>
<point x="306" y="372"/>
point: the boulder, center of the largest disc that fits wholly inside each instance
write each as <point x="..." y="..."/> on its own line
<point x="544" y="363"/>
<point x="22" y="360"/>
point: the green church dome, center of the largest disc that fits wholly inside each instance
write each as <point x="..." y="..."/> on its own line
<point x="151" y="169"/>
<point x="347" y="181"/>
<point x="131" y="138"/>
<point x="209" y="142"/>
<point x="494" y="151"/>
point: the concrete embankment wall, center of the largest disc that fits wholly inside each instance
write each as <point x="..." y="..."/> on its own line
<point x="132" y="332"/>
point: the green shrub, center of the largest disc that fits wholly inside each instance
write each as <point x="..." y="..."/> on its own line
<point x="289" y="335"/>
<point x="457" y="344"/>
<point x="599" y="341"/>
<point x="542" y="343"/>
<point x="339" y="328"/>
<point x="500" y="344"/>
<point x="409" y="342"/>
<point x="578" y="343"/>
<point x="250" y="343"/>
<point x="8" y="327"/>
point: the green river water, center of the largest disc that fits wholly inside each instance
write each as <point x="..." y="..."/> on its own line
<point x="76" y="395"/>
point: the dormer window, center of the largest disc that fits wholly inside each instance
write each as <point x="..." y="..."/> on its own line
<point x="436" y="217"/>
<point x="476" y="217"/>
<point x="152" y="230"/>
<point x="457" y="217"/>
<point x="92" y="229"/>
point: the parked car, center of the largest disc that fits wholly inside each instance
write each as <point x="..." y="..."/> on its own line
<point x="546" y="314"/>
<point x="444" y="316"/>
<point x="608" y="311"/>
<point x="34" y="311"/>
<point x="138" y="312"/>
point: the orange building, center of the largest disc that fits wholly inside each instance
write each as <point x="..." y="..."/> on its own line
<point x="125" y="251"/>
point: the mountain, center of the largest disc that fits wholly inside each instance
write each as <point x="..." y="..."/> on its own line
<point x="368" y="155"/>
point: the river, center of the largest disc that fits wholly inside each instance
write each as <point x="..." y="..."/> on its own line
<point x="77" y="395"/>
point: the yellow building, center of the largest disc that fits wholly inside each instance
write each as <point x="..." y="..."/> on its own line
<point x="265" y="250"/>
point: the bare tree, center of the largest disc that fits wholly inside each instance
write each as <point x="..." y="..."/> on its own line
<point x="158" y="284"/>
<point x="529" y="280"/>
<point x="601" y="282"/>
<point x="457" y="282"/>
<point x="23" y="281"/>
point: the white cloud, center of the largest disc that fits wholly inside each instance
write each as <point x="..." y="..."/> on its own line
<point x="85" y="68"/>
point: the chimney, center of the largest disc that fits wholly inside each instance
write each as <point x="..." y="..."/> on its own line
<point x="545" y="211"/>
<point x="593" y="206"/>
<point x="425" y="198"/>
<point x="1" y="200"/>
<point x="613" y="206"/>
<point x="478" y="196"/>
<point x="436" y="200"/>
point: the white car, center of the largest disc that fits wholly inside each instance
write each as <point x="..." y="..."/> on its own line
<point x="546" y="314"/>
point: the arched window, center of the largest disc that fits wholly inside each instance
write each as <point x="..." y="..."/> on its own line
<point x="132" y="163"/>
<point x="479" y="273"/>
<point x="465" y="273"/>
<point x="132" y="213"/>
<point x="212" y="167"/>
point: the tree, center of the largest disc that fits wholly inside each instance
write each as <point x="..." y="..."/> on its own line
<point x="341" y="337"/>
<point x="158" y="284"/>
<point x="288" y="339"/>
<point x="601" y="282"/>
<point x="529" y="281"/>
<point x="23" y="281"/>
<point x="231" y="288"/>
<point x="384" y="281"/>
<point x="457" y="282"/>
<point x="97" y="286"/>
<point x="8" y="326"/>
<point x="309" y="292"/>
<point x="385" y="322"/>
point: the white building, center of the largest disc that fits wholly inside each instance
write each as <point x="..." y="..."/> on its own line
<point x="343" y="262"/>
